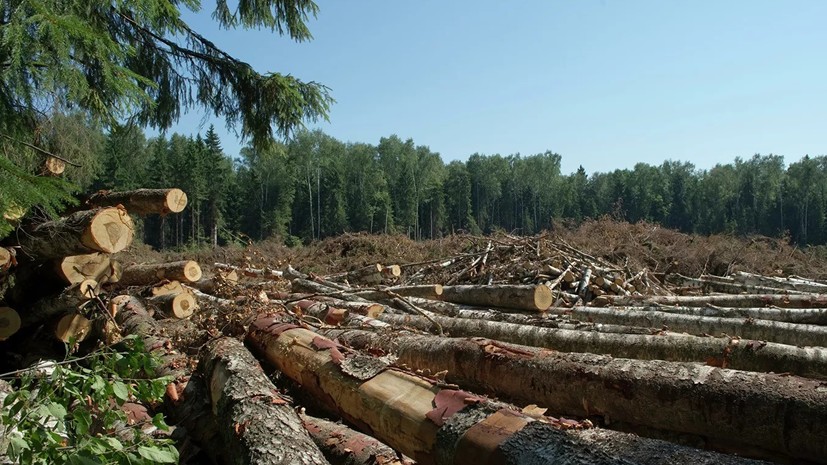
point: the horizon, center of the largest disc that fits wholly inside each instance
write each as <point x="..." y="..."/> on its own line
<point x="604" y="84"/>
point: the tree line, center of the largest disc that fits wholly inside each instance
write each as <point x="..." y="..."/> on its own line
<point x="315" y="186"/>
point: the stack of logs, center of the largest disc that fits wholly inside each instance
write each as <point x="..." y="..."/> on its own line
<point x="52" y="273"/>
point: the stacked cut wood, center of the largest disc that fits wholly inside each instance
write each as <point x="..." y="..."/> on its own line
<point x="53" y="273"/>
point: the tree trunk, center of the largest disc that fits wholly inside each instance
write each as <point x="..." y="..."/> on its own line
<point x="741" y="300"/>
<point x="71" y="300"/>
<point x="723" y="405"/>
<point x="257" y="425"/>
<point x="142" y="201"/>
<point x="169" y="287"/>
<point x="426" y="291"/>
<point x="790" y="283"/>
<point x="710" y="283"/>
<point x="186" y="271"/>
<point x="252" y="272"/>
<point x="415" y="416"/>
<point x="52" y="167"/>
<point x="107" y="230"/>
<point x="518" y="297"/>
<point x="767" y="330"/>
<point x="814" y="316"/>
<point x="9" y="322"/>
<point x="344" y="446"/>
<point x="724" y="352"/>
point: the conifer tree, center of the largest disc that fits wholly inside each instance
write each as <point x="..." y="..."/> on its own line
<point x="137" y="59"/>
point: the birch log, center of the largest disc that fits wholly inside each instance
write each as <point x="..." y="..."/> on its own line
<point x="814" y="316"/>
<point x="739" y="354"/>
<point x="767" y="330"/>
<point x="740" y="300"/>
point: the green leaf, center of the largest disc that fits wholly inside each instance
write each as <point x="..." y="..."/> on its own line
<point x="159" y="422"/>
<point x="83" y="420"/>
<point x="169" y="455"/>
<point x="17" y="446"/>
<point x="114" y="443"/>
<point x="56" y="410"/>
<point x="120" y="391"/>
<point x="98" y="384"/>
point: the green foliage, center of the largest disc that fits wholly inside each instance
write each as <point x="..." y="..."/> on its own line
<point x="72" y="414"/>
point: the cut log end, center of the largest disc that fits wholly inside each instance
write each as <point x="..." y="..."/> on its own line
<point x="9" y="322"/>
<point x="393" y="271"/>
<point x="87" y="288"/>
<point x="110" y="231"/>
<point x="75" y="268"/>
<point x="5" y="258"/>
<point x="543" y="297"/>
<point x="171" y="287"/>
<point x="179" y="306"/>
<point x="192" y="271"/>
<point x="175" y="201"/>
<point x="72" y="327"/>
<point x="52" y="166"/>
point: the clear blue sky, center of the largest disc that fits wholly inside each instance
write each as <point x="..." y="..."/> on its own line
<point x="606" y="83"/>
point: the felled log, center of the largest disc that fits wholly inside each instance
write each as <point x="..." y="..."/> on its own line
<point x="814" y="316"/>
<point x="520" y="297"/>
<point x="5" y="258"/>
<point x="425" y="291"/>
<point x="9" y="322"/>
<point x="72" y="326"/>
<point x="107" y="230"/>
<point x="186" y="271"/>
<point x="767" y="330"/>
<point x="344" y="446"/>
<point x="97" y="266"/>
<point x="320" y="310"/>
<point x="682" y="397"/>
<point x="415" y="415"/>
<point x="52" y="166"/>
<point x="169" y="287"/>
<point x="72" y="299"/>
<point x="789" y="283"/>
<point x="294" y="274"/>
<point x="740" y="300"/>
<point x="738" y="354"/>
<point x="142" y="201"/>
<point x="214" y="283"/>
<point x="710" y="283"/>
<point x="181" y="305"/>
<point x="258" y="425"/>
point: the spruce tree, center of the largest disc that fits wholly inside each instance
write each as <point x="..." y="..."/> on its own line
<point x="141" y="60"/>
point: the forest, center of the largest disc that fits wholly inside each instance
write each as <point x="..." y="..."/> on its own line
<point x="315" y="186"/>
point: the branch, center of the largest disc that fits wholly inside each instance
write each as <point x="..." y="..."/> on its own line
<point x="43" y="151"/>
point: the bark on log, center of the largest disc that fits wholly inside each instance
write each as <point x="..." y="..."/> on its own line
<point x="425" y="291"/>
<point x="9" y="322"/>
<point x="142" y="201"/>
<point x="181" y="305"/>
<point x="107" y="230"/>
<point x="741" y="300"/>
<point x="293" y="274"/>
<point x="727" y="285"/>
<point x="185" y="271"/>
<point x="72" y="299"/>
<point x="814" y="316"/>
<point x="767" y="330"/>
<point x="415" y="416"/>
<point x="518" y="297"/>
<point x="723" y="405"/>
<point x="257" y="425"/>
<point x="783" y="283"/>
<point x="344" y="446"/>
<point x="97" y="266"/>
<point x="739" y="354"/>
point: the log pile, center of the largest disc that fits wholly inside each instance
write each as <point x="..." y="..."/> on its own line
<point x="54" y="274"/>
<point x="525" y="350"/>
